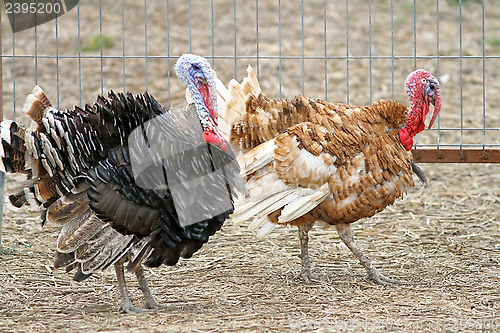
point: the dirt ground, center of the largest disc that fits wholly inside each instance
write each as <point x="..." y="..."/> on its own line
<point x="442" y="240"/>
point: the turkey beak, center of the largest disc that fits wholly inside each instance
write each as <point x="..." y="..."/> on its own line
<point x="203" y="80"/>
<point x="432" y="93"/>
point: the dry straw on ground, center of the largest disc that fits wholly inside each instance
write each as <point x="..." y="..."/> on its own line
<point x="442" y="239"/>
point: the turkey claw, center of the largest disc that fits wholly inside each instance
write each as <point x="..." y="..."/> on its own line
<point x="376" y="276"/>
<point x="308" y="276"/>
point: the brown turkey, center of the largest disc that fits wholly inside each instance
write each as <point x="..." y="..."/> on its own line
<point x="80" y="167"/>
<point x="308" y="160"/>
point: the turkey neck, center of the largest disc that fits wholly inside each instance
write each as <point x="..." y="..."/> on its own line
<point x="414" y="122"/>
<point x="203" y="96"/>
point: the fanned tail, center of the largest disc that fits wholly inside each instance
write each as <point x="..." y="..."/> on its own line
<point x="233" y="102"/>
<point x="22" y="151"/>
<point x="233" y="109"/>
<point x="12" y="149"/>
<point x="248" y="118"/>
<point x="36" y="106"/>
<point x="85" y="242"/>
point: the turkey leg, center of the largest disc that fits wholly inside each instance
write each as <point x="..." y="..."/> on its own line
<point x="305" y="272"/>
<point x="347" y="236"/>
<point x="126" y="303"/>
<point x="149" y="300"/>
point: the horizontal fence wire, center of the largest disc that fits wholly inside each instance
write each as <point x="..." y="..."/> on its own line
<point x="322" y="49"/>
<point x="246" y="57"/>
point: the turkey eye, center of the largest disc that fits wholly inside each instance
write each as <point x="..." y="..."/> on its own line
<point x="196" y="67"/>
<point x="432" y="86"/>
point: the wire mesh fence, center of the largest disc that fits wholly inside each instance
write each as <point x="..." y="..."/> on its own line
<point x="354" y="52"/>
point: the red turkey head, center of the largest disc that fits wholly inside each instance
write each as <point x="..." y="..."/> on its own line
<point x="422" y="89"/>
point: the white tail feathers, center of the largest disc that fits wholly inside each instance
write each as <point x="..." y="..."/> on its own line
<point x="37" y="94"/>
<point x="222" y="96"/>
<point x="250" y="84"/>
<point x="5" y="136"/>
<point x="294" y="203"/>
<point x="265" y="229"/>
<point x="36" y="107"/>
<point x="5" y="131"/>
<point x="234" y="98"/>
<point x="256" y="158"/>
<point x="264" y="224"/>
<point x="30" y="198"/>
<point x="303" y="204"/>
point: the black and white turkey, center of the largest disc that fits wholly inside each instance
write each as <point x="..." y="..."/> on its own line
<point x="126" y="178"/>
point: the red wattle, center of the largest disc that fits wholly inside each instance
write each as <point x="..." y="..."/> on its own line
<point x="406" y="139"/>
<point x="210" y="137"/>
<point x="421" y="127"/>
<point x="205" y="92"/>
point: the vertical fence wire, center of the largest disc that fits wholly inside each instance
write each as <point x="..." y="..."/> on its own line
<point x="36" y="53"/>
<point x="14" y="70"/>
<point x="58" y="91"/>
<point x="370" y="48"/>
<point x="168" y="53"/>
<point x="101" y="48"/>
<point x="392" y="49"/>
<point x="302" y="45"/>
<point x="326" y="50"/>
<point x="146" y="39"/>
<point x="279" y="45"/>
<point x="483" y="87"/>
<point x="79" y="54"/>
<point x="123" y="47"/>
<point x="212" y="24"/>
<point x="347" y="48"/>
<point x="414" y="34"/>
<point x="257" y="46"/>
<point x="437" y="73"/>
<point x="461" y="78"/>
<point x="415" y="140"/>
<point x="235" y="41"/>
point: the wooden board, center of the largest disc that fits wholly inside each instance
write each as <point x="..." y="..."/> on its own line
<point x="456" y="155"/>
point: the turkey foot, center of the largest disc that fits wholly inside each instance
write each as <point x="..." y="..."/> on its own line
<point x="126" y="304"/>
<point x="305" y="272"/>
<point x="346" y="235"/>
<point x="378" y="277"/>
<point x="308" y="277"/>
<point x="149" y="300"/>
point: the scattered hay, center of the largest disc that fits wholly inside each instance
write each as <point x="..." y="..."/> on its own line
<point x="442" y="239"/>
